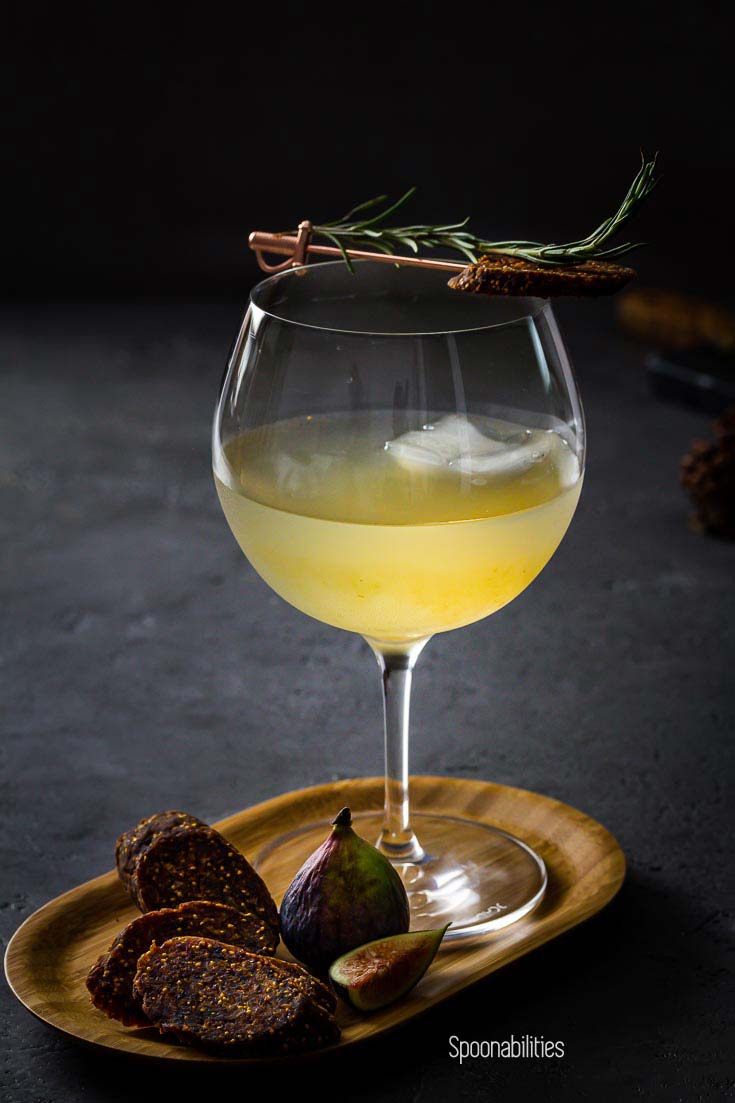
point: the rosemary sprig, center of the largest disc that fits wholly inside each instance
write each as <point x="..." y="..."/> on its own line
<point x="346" y="233"/>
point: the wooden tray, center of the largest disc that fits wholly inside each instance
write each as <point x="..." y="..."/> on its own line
<point x="49" y="955"/>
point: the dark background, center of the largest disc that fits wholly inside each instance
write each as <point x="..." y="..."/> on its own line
<point x="143" y="143"/>
<point x="145" y="666"/>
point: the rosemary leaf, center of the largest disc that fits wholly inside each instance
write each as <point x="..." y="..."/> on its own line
<point x="453" y="236"/>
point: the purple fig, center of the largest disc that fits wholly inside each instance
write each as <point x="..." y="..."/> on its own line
<point x="347" y="893"/>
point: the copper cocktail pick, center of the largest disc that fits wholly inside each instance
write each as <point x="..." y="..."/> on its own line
<point x="298" y="249"/>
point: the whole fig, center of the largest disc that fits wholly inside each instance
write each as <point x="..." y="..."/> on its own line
<point x="347" y="893"/>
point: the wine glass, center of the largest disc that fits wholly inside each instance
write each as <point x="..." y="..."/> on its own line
<point x="398" y="459"/>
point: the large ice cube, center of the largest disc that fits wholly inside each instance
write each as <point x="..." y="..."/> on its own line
<point x="512" y="459"/>
<point x="441" y="444"/>
<point x="455" y="442"/>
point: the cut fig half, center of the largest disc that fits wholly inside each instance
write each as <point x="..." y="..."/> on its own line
<point x="381" y="972"/>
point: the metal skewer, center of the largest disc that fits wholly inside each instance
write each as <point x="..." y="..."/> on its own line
<point x="298" y="249"/>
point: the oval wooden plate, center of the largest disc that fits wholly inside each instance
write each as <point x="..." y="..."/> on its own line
<point x="49" y="955"/>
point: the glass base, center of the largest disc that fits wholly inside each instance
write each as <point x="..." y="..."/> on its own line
<point x="473" y="876"/>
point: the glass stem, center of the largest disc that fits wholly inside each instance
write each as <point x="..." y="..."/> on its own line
<point x="397" y="839"/>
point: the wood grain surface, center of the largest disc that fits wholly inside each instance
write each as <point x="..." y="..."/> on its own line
<point x="50" y="954"/>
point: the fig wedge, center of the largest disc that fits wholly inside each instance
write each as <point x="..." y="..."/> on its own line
<point x="380" y="972"/>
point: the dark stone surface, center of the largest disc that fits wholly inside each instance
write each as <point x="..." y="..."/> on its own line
<point x="145" y="666"/>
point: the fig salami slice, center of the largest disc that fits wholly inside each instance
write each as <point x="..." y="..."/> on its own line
<point x="173" y="857"/>
<point x="236" y="1003"/>
<point x="496" y="274"/>
<point x="133" y="844"/>
<point x="110" y="980"/>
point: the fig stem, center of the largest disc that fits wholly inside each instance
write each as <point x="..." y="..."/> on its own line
<point x="343" y="818"/>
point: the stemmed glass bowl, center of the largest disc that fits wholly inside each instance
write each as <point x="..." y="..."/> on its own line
<point x="398" y="459"/>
